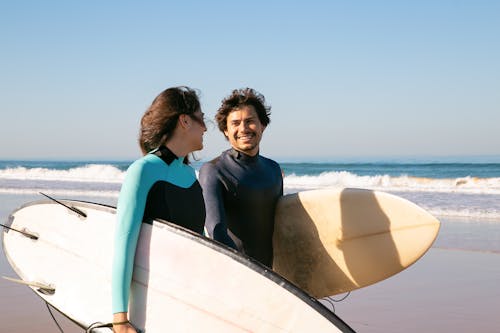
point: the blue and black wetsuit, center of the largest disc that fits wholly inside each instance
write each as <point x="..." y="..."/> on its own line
<point x="159" y="185"/>
<point x="240" y="194"/>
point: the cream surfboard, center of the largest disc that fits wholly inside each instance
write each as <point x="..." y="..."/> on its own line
<point x="336" y="240"/>
<point x="182" y="282"/>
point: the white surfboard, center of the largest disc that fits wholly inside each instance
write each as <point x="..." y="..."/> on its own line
<point x="182" y="282"/>
<point x="337" y="240"/>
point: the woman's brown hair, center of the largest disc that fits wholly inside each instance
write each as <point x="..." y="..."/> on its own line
<point x="159" y="120"/>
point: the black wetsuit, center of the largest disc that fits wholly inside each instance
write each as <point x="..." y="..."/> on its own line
<point x="240" y="194"/>
<point x="171" y="202"/>
<point x="159" y="185"/>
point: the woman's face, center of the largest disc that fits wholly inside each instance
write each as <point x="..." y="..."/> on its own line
<point x="197" y="129"/>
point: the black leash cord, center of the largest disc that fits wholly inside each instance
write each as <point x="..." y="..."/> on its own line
<point x="332" y="300"/>
<point x="54" y="318"/>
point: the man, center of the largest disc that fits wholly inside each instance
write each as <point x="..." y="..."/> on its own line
<point x="241" y="187"/>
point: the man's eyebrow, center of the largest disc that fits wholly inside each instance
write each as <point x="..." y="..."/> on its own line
<point x="243" y="119"/>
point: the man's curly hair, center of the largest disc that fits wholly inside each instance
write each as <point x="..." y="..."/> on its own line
<point x="239" y="98"/>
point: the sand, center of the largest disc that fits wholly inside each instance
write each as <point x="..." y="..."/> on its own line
<point x="447" y="290"/>
<point x="21" y="310"/>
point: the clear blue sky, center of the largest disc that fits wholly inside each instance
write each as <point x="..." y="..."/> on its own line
<point x="344" y="78"/>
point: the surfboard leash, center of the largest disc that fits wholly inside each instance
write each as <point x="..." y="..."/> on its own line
<point x="98" y="325"/>
<point x="90" y="328"/>
<point x="87" y="330"/>
<point x="54" y="318"/>
<point x="330" y="300"/>
<point x="107" y="325"/>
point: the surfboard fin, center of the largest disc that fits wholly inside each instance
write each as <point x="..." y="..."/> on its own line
<point x="74" y="209"/>
<point x="24" y="231"/>
<point x="44" y="288"/>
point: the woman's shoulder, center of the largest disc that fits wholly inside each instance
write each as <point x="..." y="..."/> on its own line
<point x="145" y="164"/>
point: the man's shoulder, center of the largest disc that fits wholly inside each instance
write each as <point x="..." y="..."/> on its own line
<point x="216" y="161"/>
<point x="210" y="166"/>
<point x="270" y="161"/>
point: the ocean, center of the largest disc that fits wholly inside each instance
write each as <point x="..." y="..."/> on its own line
<point x="464" y="196"/>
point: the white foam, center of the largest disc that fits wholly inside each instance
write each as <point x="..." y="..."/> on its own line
<point x="403" y="183"/>
<point x="87" y="173"/>
<point x="450" y="197"/>
<point x="61" y="192"/>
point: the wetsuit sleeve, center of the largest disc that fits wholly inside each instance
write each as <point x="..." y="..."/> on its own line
<point x="215" y="221"/>
<point x="130" y="211"/>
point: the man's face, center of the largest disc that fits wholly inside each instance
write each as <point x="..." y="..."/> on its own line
<point x="244" y="130"/>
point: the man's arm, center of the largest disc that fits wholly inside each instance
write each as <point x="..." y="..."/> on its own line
<point x="215" y="221"/>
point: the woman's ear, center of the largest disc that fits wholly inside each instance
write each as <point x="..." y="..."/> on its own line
<point x="183" y="120"/>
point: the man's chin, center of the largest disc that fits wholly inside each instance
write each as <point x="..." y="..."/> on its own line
<point x="248" y="150"/>
<point x="249" y="145"/>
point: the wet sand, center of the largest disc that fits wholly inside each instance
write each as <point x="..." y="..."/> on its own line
<point x="21" y="310"/>
<point x="445" y="291"/>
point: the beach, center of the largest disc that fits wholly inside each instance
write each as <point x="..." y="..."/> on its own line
<point x="450" y="289"/>
<point x="445" y="291"/>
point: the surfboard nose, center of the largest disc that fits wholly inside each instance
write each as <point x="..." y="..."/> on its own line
<point x="336" y="240"/>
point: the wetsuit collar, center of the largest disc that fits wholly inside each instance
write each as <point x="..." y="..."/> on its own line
<point x="165" y="154"/>
<point x="243" y="157"/>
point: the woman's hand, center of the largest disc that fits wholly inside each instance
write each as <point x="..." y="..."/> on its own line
<point x="121" y="323"/>
<point x="124" y="328"/>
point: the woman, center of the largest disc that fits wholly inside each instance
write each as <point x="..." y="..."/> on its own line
<point x="159" y="185"/>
